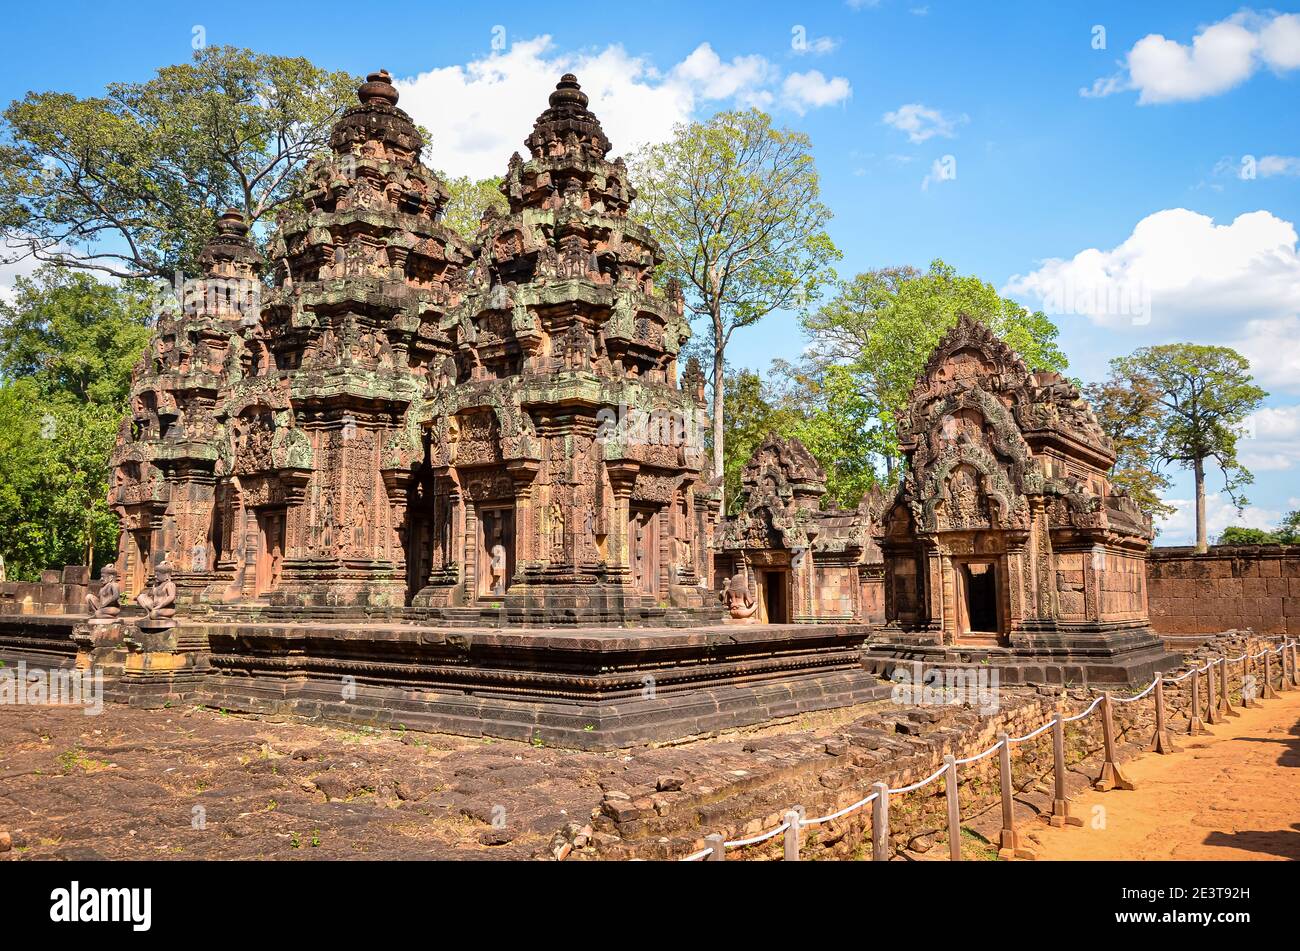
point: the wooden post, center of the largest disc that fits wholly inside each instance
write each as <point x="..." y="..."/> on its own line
<point x="1268" y="693"/>
<point x="1009" y="841"/>
<point x="1295" y="674"/>
<point x="1112" y="777"/>
<point x="1249" y="683"/>
<point x="1195" y="724"/>
<point x="880" y="824"/>
<point x="1225" y="705"/>
<point x="718" y="851"/>
<point x="792" y="818"/>
<point x="954" y="809"/>
<point x="1060" y="804"/>
<point x="1161" y="743"/>
<point x="1284" y="654"/>
<point x="1212" y="716"/>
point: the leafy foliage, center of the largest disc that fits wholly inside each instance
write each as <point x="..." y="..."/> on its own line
<point x="1127" y="410"/>
<point x="736" y="205"/>
<point x="128" y="183"/>
<point x="1287" y="533"/>
<point x="1202" y="397"/>
<point x="67" y="345"/>
<point x="876" y="334"/>
<point x="469" y="201"/>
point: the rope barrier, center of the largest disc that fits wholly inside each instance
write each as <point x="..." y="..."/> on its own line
<point x="773" y="833"/>
<point x="979" y="756"/>
<point x="1080" y="716"/>
<point x="835" y="815"/>
<point x="1138" y="697"/>
<point x="929" y="779"/>
<point x="1029" y="736"/>
<point x="761" y="837"/>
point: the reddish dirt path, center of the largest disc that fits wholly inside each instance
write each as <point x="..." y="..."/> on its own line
<point x="1231" y="795"/>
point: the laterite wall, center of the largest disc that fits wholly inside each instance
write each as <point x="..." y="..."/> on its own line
<point x="1229" y="587"/>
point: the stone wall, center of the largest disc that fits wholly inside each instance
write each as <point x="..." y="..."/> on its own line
<point x="745" y="791"/>
<point x="1229" y="587"/>
<point x="58" y="592"/>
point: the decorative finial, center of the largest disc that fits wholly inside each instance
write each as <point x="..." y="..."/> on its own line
<point x="378" y="87"/>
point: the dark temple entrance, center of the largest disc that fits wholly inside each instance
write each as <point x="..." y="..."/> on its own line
<point x="980" y="598"/>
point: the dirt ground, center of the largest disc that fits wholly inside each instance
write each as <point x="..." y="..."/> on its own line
<point x="1233" y="795"/>
<point x="200" y="784"/>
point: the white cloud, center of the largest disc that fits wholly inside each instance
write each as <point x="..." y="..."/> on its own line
<point x="1180" y="528"/>
<point x="12" y="269"/>
<point x="1220" y="57"/>
<point x="1191" y="279"/>
<point x="920" y="122"/>
<point x="1271" y="440"/>
<point x="1270" y="165"/>
<point x="812" y="90"/>
<point x="480" y="112"/>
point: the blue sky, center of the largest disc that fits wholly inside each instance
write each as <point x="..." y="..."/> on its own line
<point x="1189" y="129"/>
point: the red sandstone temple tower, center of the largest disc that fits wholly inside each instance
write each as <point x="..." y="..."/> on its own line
<point x="1007" y="544"/>
<point x="563" y="481"/>
<point x="167" y="461"/>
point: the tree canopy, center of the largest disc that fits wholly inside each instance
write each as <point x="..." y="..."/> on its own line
<point x="67" y="345"/>
<point x="1203" y="396"/>
<point x="873" y="338"/>
<point x="736" y="205"/>
<point x="129" y="183"/>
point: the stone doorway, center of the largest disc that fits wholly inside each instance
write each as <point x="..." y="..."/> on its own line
<point x="270" y="551"/>
<point x="496" y="544"/>
<point x="978" y="617"/>
<point x="774" y="596"/>
<point x="643" y="547"/>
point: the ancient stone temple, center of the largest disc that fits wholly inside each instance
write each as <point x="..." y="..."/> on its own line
<point x="798" y="562"/>
<point x="557" y="435"/>
<point x="376" y="487"/>
<point x="1007" y="544"/>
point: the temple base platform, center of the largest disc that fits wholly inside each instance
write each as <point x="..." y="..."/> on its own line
<point x="1119" y="657"/>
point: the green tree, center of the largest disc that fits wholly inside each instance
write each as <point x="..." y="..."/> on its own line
<point x="751" y="412"/>
<point x="128" y="183"/>
<point x="67" y="345"/>
<point x="1127" y="410"/>
<point x="737" y="207"/>
<point x="884" y="324"/>
<point x="1236" y="535"/>
<point x="74" y="335"/>
<point x="469" y="201"/>
<point x="829" y="415"/>
<point x="1289" y="531"/>
<point x="1204" y="395"/>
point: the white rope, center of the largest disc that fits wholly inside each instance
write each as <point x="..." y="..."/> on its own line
<point x="1030" y="736"/>
<point x="1186" y="674"/>
<point x="696" y="857"/>
<point x="1080" y="716"/>
<point x="1138" y="697"/>
<point x="931" y="778"/>
<point x="1233" y="660"/>
<point x="835" y="815"/>
<point x="972" y="759"/>
<point x="761" y="837"/>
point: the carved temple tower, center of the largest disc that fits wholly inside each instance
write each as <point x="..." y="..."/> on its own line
<point x="1007" y="544"/>
<point x="563" y="482"/>
<point x="166" y="460"/>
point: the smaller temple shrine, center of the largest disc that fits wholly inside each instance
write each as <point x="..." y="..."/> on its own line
<point x="1007" y="545"/>
<point x="782" y="559"/>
